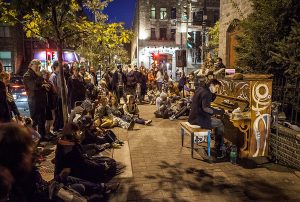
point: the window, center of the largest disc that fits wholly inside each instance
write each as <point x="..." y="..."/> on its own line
<point x="197" y="18"/>
<point x="153" y="13"/>
<point x="153" y="35"/>
<point x="163" y="13"/>
<point x="4" y="31"/>
<point x="5" y="58"/>
<point x="173" y="34"/>
<point x="163" y="33"/>
<point x="216" y="16"/>
<point x="173" y="13"/>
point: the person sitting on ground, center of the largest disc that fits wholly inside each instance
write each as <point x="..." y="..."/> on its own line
<point x="71" y="155"/>
<point x="163" y="105"/>
<point x="132" y="111"/>
<point x="152" y="94"/>
<point x="85" y="108"/>
<point x="173" y="92"/>
<point x="105" y="119"/>
<point x="103" y="90"/>
<point x="201" y="112"/>
<point x="184" y="106"/>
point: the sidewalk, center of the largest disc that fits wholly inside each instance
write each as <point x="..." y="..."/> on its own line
<point x="165" y="171"/>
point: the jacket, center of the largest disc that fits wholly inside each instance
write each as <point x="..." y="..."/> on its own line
<point x="5" y="115"/>
<point x="33" y="86"/>
<point x="76" y="91"/>
<point x="131" y="79"/>
<point x="201" y="110"/>
<point x="115" y="79"/>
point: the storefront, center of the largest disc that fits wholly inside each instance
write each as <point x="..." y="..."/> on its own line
<point x="48" y="56"/>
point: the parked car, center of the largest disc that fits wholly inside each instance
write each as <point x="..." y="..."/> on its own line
<point x="18" y="90"/>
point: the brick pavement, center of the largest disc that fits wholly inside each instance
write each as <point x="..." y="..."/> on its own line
<point x="165" y="171"/>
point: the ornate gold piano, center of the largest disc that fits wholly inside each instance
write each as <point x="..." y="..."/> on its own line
<point x="249" y="99"/>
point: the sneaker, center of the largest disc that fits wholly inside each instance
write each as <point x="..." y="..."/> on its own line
<point x="148" y="122"/>
<point x="131" y="125"/>
<point x="171" y="118"/>
<point x="115" y="146"/>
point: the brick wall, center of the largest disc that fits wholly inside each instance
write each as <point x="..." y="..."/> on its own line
<point x="286" y="146"/>
<point x="228" y="13"/>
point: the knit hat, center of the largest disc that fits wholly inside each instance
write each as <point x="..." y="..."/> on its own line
<point x="87" y="105"/>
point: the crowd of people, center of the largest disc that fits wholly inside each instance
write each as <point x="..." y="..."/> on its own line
<point x="94" y="107"/>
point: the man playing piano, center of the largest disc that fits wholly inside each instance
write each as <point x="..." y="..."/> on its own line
<point x="201" y="112"/>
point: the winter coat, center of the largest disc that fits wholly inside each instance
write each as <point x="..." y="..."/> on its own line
<point x="37" y="95"/>
<point x="115" y="80"/>
<point x="131" y="79"/>
<point x="201" y="110"/>
<point x="5" y="115"/>
<point x="76" y="91"/>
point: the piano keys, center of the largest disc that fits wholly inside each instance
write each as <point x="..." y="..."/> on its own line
<point x="249" y="126"/>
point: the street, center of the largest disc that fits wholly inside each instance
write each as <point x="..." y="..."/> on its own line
<point x="164" y="171"/>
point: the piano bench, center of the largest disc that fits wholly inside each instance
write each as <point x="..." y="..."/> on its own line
<point x="195" y="131"/>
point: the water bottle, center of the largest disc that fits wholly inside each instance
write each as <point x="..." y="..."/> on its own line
<point x="233" y="154"/>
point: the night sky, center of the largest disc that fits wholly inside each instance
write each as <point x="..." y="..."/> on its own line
<point x="121" y="11"/>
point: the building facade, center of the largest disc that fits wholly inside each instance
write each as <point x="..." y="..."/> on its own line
<point x="11" y="47"/>
<point x="16" y="51"/>
<point x="162" y="27"/>
<point x="231" y="12"/>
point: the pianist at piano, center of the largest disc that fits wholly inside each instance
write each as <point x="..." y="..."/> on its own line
<point x="201" y="112"/>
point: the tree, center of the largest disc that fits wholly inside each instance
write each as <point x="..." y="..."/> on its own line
<point x="287" y="52"/>
<point x="105" y="44"/>
<point x="269" y="23"/>
<point x="60" y="21"/>
<point x="213" y="33"/>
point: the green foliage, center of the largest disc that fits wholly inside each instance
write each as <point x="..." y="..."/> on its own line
<point x="269" y="22"/>
<point x="287" y="52"/>
<point x="213" y="33"/>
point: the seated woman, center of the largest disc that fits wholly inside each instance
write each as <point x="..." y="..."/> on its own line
<point x="163" y="106"/>
<point x="85" y="108"/>
<point x="106" y="119"/>
<point x="131" y="110"/>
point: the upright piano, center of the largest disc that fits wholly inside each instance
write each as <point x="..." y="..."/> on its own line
<point x="249" y="98"/>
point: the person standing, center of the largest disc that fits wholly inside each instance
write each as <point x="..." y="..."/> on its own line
<point x="37" y="97"/>
<point x="119" y="79"/>
<point x="56" y="82"/>
<point x="5" y="114"/>
<point x="159" y="80"/>
<point x="131" y="82"/>
<point x="76" y="88"/>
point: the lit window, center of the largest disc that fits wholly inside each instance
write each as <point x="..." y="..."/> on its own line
<point x="152" y="14"/>
<point x="163" y="13"/>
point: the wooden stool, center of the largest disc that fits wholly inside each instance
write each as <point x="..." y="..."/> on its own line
<point x="195" y="131"/>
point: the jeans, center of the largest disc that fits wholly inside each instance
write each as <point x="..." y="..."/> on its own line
<point x="219" y="139"/>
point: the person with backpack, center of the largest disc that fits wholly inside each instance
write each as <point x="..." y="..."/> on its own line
<point x="131" y="83"/>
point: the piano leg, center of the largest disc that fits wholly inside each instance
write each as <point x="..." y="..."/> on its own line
<point x="182" y="136"/>
<point x="208" y="143"/>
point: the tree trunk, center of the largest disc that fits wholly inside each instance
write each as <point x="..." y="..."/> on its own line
<point x="62" y="80"/>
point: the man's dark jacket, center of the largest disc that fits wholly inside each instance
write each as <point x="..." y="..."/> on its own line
<point x="115" y="79"/>
<point x="201" y="111"/>
<point x="37" y="95"/>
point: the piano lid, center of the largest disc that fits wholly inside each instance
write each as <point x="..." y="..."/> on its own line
<point x="230" y="103"/>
